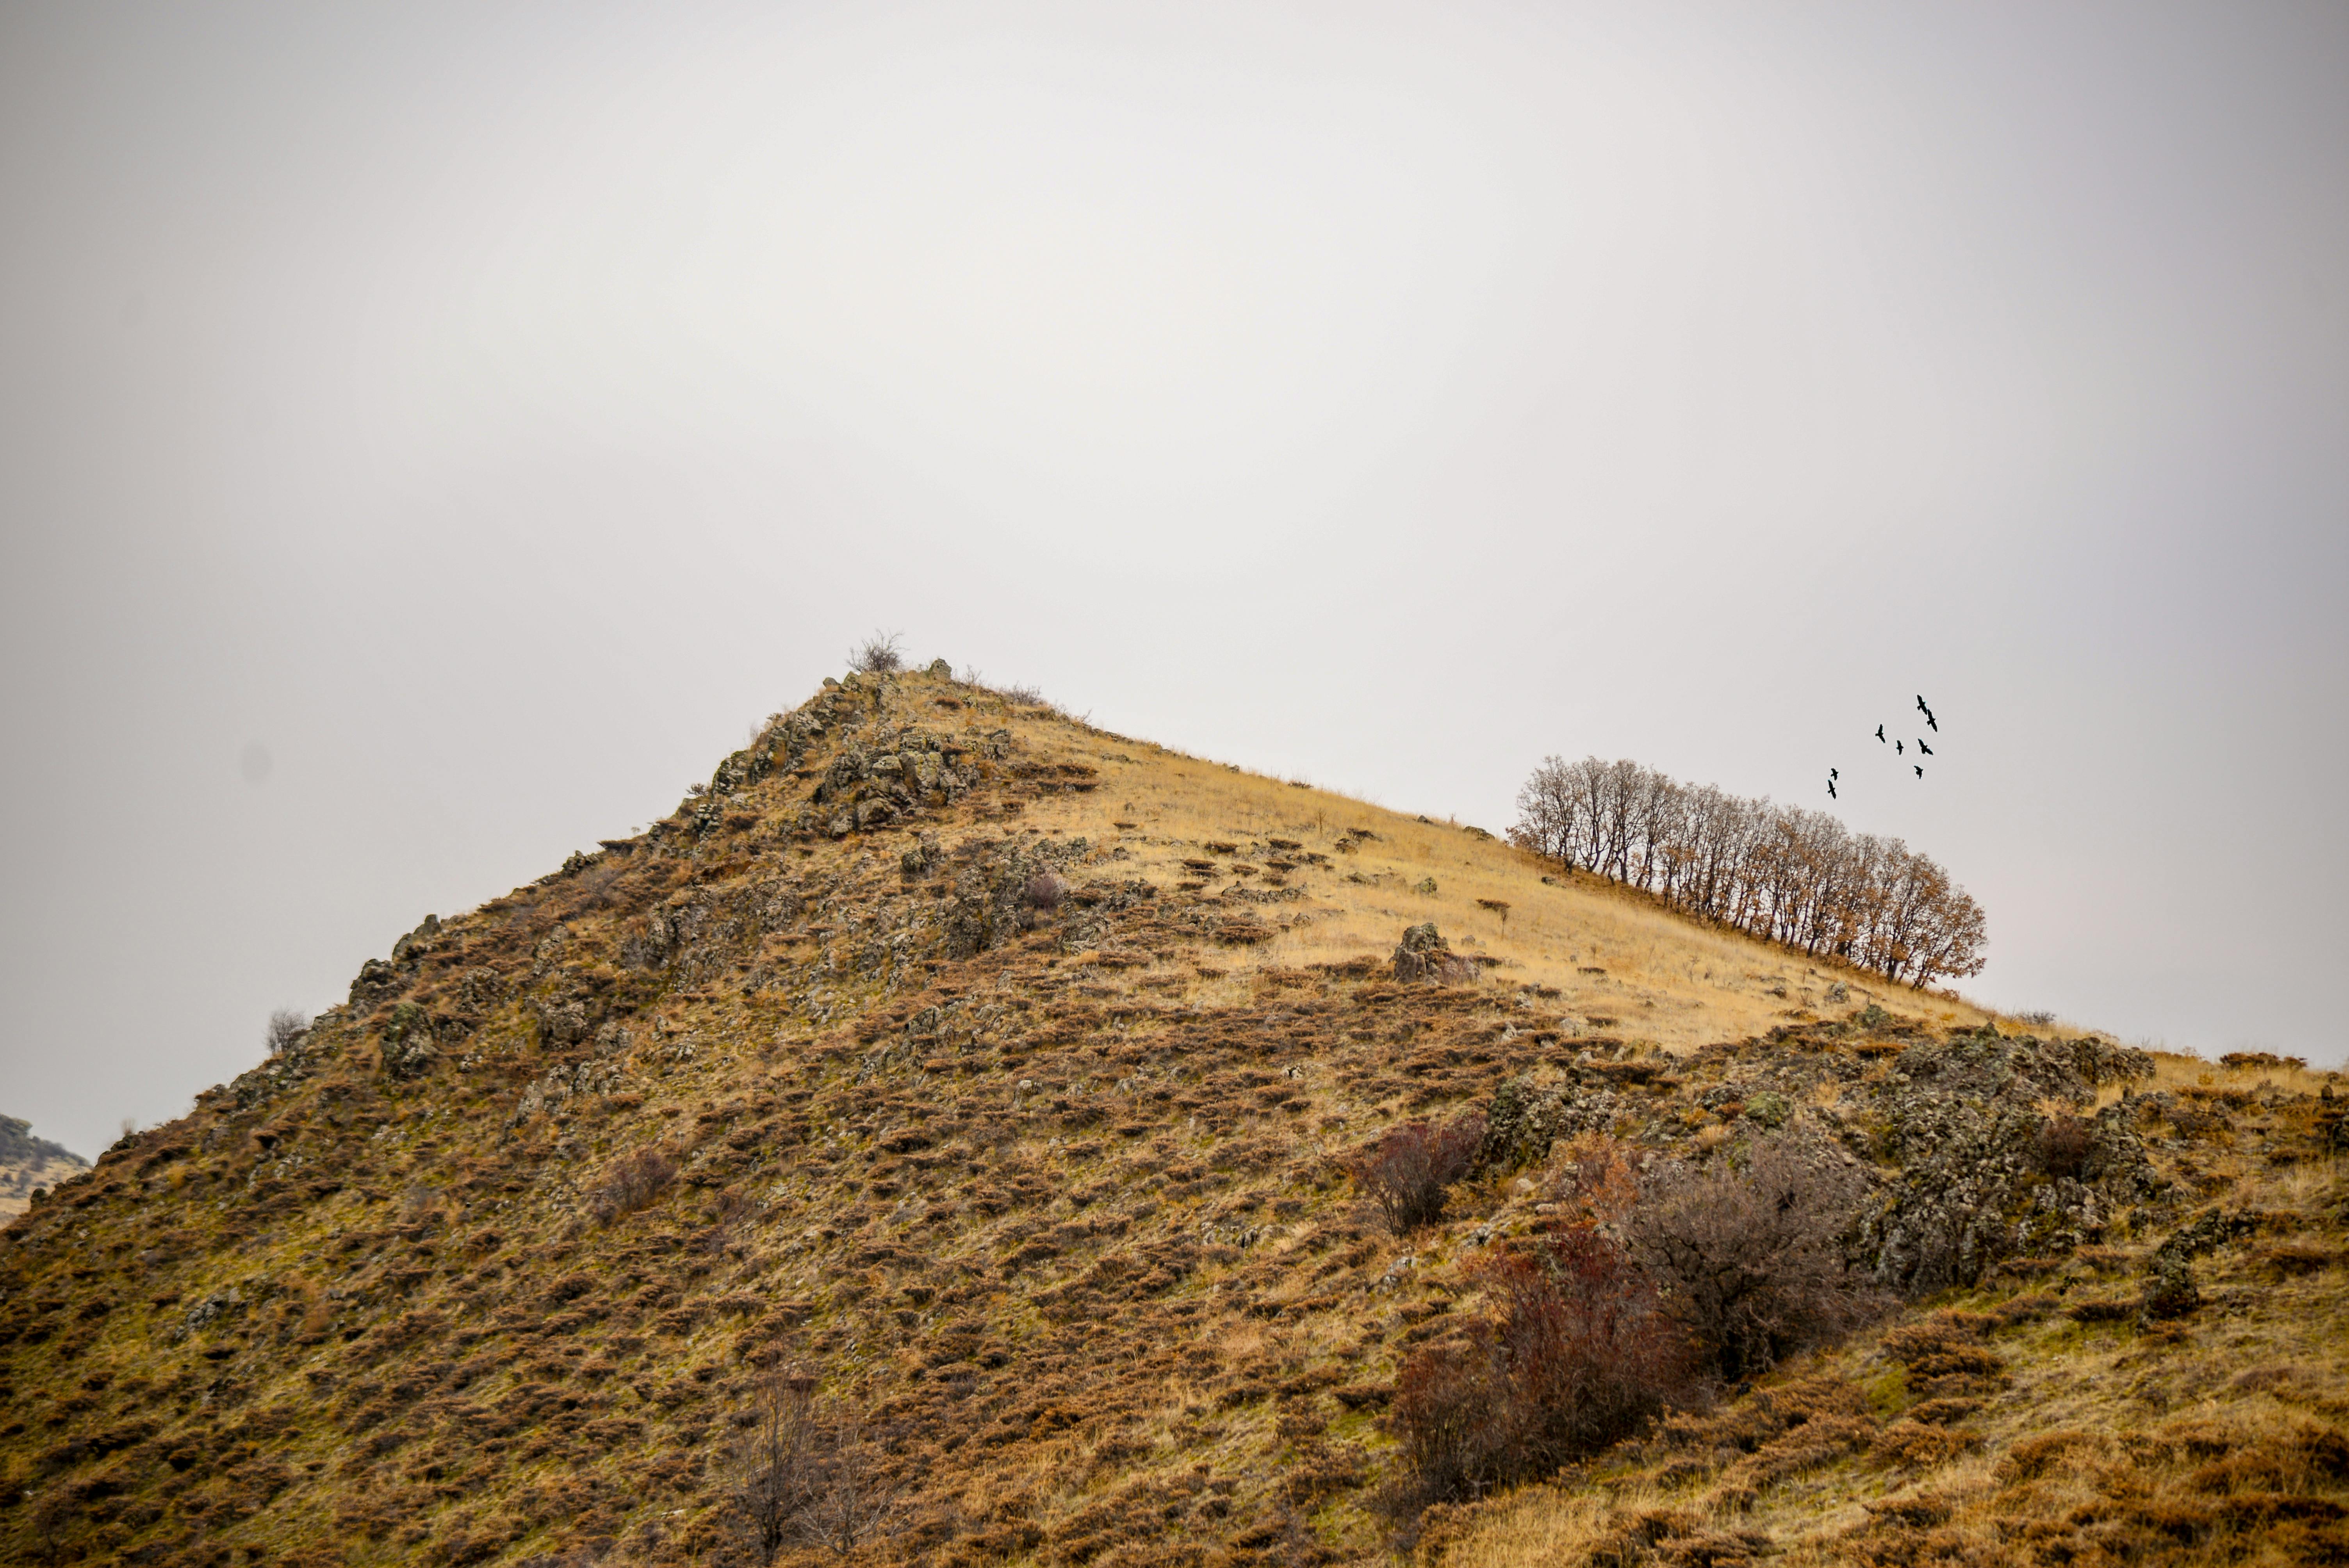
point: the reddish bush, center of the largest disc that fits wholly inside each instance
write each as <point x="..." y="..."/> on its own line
<point x="2065" y="1144"/>
<point x="1575" y="1355"/>
<point x="1752" y="1260"/>
<point x="630" y="1183"/>
<point x="1407" y="1170"/>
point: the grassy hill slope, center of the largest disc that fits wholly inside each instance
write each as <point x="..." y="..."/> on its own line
<point x="28" y="1163"/>
<point x="986" y="1073"/>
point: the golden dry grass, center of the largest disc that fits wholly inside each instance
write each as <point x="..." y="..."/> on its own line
<point x="2219" y="1438"/>
<point x="1142" y="1285"/>
<point x="1667" y="980"/>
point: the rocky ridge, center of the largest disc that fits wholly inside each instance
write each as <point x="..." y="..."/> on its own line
<point x="1023" y="1141"/>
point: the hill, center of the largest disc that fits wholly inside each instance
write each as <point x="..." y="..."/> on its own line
<point x="950" y="1105"/>
<point x="29" y="1163"/>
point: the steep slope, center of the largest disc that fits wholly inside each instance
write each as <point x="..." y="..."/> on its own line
<point x="2072" y="1407"/>
<point x="986" y="1074"/>
<point x="28" y="1164"/>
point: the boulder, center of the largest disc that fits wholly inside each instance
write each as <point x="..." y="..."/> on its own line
<point x="1422" y="954"/>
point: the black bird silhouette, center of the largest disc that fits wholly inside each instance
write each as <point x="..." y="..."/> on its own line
<point x="1922" y="746"/>
<point x="1929" y="722"/>
<point x="1920" y="772"/>
<point x="1831" y="794"/>
<point x="1832" y="774"/>
<point x="1879" y="732"/>
<point x="1895" y="748"/>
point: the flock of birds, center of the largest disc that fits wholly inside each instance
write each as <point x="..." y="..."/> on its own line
<point x="1900" y="747"/>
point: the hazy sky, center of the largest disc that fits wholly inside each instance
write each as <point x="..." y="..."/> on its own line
<point x="429" y="437"/>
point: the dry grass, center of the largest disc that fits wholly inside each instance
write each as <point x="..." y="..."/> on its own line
<point x="1665" y="979"/>
<point x="2225" y="1440"/>
<point x="1066" y="1224"/>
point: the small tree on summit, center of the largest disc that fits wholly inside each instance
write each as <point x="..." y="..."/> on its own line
<point x="881" y="654"/>
<point x="286" y="1028"/>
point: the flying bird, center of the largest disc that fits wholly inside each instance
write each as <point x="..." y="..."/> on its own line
<point x="1879" y="732"/>
<point x="1831" y="794"/>
<point x="1920" y="772"/>
<point x="1930" y="721"/>
<point x="1922" y="746"/>
<point x="1895" y="749"/>
<point x="1832" y="774"/>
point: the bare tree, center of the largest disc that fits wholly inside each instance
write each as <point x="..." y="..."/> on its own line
<point x="805" y="1474"/>
<point x="1780" y="872"/>
<point x="286" y="1028"/>
<point x="881" y="654"/>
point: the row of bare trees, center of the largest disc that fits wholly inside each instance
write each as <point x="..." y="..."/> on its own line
<point x="1778" y="871"/>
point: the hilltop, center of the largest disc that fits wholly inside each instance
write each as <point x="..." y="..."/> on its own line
<point x="29" y="1163"/>
<point x="987" y="1083"/>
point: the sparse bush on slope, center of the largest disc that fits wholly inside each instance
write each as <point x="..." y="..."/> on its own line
<point x="1751" y="1259"/>
<point x="1575" y="1356"/>
<point x="633" y="1182"/>
<point x="286" y="1026"/>
<point x="881" y="654"/>
<point x="1407" y="1170"/>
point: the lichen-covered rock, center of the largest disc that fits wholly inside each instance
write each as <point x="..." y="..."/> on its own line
<point x="1422" y="954"/>
<point x="407" y="1049"/>
<point x="921" y="858"/>
<point x="989" y="903"/>
<point x="1962" y="1118"/>
<point x="1524" y="1119"/>
<point x="376" y="980"/>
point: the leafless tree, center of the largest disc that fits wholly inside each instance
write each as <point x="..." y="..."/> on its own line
<point x="804" y="1473"/>
<point x="286" y="1026"/>
<point x="1781" y="873"/>
<point x="881" y="654"/>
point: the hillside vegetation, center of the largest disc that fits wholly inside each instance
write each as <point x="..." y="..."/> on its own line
<point x="932" y="1143"/>
<point x="30" y="1164"/>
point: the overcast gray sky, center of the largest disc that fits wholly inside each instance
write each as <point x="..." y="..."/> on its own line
<point x="429" y="435"/>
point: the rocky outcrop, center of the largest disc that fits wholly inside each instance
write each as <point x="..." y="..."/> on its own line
<point x="996" y="895"/>
<point x="1423" y="954"/>
<point x="1976" y="1182"/>
<point x="1524" y="1119"/>
<point x="872" y="784"/>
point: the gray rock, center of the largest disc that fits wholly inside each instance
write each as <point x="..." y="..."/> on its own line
<point x="407" y="1049"/>
<point x="1422" y="954"/>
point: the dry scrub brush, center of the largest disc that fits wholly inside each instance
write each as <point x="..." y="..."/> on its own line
<point x="803" y="1474"/>
<point x="633" y="1181"/>
<point x="1575" y="1355"/>
<point x="1407" y="1170"/>
<point x="1751" y="1259"/>
<point x="1586" y="1337"/>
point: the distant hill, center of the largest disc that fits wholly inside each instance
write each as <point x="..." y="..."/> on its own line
<point x="950" y="1136"/>
<point x="27" y="1163"/>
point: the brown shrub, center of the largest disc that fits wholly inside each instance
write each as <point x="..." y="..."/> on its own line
<point x="881" y="654"/>
<point x="1751" y="1260"/>
<point x="2065" y="1144"/>
<point x="1576" y="1356"/>
<point x="1918" y="1445"/>
<point x="2034" y="1457"/>
<point x="631" y="1182"/>
<point x="1407" y="1170"/>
